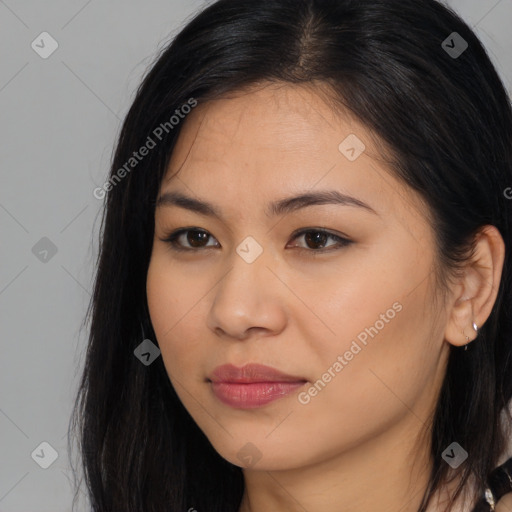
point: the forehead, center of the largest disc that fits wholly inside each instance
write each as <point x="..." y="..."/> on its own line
<point x="265" y="141"/>
<point x="282" y="120"/>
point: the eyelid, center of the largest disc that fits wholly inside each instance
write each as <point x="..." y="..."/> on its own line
<point x="171" y="238"/>
<point x="317" y="229"/>
<point x="341" y="239"/>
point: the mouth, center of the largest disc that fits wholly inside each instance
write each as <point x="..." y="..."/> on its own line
<point x="252" y="386"/>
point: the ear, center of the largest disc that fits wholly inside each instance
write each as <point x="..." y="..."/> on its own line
<point x="476" y="292"/>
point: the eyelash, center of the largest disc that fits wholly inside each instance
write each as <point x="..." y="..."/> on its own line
<point x="171" y="239"/>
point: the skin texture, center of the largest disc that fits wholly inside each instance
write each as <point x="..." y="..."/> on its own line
<point x="361" y="443"/>
<point x="505" y="504"/>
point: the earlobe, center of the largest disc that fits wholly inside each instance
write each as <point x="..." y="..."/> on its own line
<point x="478" y="288"/>
<point x="460" y="328"/>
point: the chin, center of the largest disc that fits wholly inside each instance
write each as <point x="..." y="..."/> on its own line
<point x="261" y="455"/>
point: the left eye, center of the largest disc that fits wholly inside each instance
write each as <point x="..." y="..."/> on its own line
<point x="196" y="237"/>
<point x="319" y="237"/>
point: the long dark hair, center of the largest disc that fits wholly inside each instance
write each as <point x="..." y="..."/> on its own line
<point x="447" y="121"/>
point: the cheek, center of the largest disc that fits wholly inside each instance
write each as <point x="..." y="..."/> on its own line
<point x="161" y="304"/>
<point x="379" y="324"/>
<point x="379" y="386"/>
<point x="385" y="365"/>
<point x="170" y="293"/>
<point x="164" y="306"/>
<point x="176" y="315"/>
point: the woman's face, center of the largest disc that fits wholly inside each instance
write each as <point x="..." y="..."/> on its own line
<point x="352" y="323"/>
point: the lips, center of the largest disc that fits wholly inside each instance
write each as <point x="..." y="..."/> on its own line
<point x="252" y="386"/>
<point x="251" y="373"/>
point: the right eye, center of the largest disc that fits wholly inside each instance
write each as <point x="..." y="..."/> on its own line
<point x="195" y="237"/>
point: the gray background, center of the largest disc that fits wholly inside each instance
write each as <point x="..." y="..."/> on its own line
<point x="59" y="120"/>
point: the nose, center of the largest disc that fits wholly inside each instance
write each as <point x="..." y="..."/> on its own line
<point x="250" y="297"/>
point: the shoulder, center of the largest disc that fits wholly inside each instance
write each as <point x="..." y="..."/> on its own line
<point x="505" y="503"/>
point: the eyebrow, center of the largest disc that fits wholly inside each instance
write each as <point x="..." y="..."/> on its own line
<point x="276" y="208"/>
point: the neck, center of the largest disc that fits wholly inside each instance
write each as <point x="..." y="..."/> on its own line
<point x="389" y="473"/>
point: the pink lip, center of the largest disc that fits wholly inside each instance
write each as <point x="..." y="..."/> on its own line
<point x="251" y="386"/>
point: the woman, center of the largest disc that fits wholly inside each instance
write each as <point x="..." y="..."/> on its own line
<point x="303" y="298"/>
